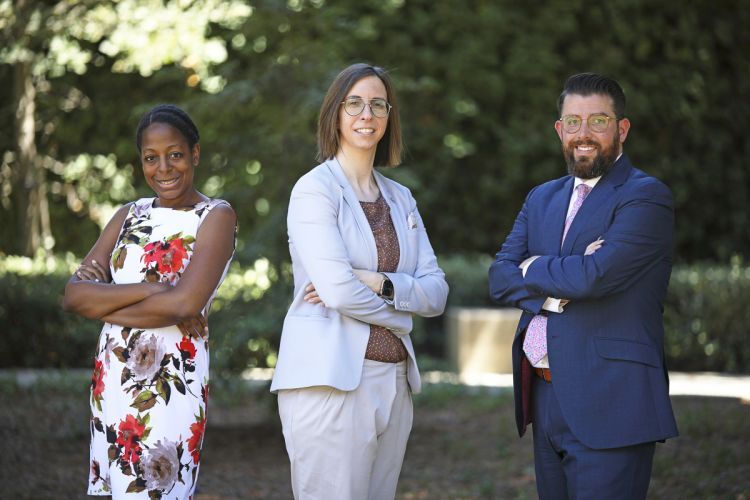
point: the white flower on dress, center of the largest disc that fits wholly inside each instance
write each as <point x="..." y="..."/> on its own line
<point x="146" y="357"/>
<point x="142" y="208"/>
<point x="160" y="466"/>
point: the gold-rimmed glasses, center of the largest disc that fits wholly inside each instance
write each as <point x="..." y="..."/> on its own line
<point x="355" y="105"/>
<point x="598" y="122"/>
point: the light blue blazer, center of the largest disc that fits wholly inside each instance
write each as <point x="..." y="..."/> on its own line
<point x="329" y="235"/>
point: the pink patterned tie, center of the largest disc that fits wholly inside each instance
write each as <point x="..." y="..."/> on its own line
<point x="535" y="343"/>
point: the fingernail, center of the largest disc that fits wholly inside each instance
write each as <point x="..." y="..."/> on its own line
<point x="93" y="261"/>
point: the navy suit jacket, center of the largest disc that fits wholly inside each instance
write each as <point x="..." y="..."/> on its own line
<point x="606" y="350"/>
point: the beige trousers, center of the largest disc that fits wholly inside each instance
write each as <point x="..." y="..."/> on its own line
<point x="348" y="445"/>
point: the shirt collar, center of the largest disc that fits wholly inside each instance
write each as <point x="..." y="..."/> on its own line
<point x="590" y="182"/>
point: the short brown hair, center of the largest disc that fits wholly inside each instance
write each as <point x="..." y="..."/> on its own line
<point x="389" y="149"/>
<point x="586" y="84"/>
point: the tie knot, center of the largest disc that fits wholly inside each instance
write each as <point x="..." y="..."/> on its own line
<point x="583" y="190"/>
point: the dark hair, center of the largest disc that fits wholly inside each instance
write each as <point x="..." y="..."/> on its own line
<point x="171" y="115"/>
<point x="389" y="149"/>
<point x="590" y="83"/>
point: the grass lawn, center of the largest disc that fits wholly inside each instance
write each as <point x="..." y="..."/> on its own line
<point x="463" y="446"/>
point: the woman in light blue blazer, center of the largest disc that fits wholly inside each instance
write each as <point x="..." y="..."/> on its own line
<point x="363" y="266"/>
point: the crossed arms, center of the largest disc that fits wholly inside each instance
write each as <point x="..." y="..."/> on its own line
<point x="314" y="232"/>
<point x="90" y="293"/>
<point x="638" y="237"/>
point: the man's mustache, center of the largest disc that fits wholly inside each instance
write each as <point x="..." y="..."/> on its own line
<point x="584" y="142"/>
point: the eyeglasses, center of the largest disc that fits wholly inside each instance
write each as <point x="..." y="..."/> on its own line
<point x="598" y="122"/>
<point x="355" y="105"/>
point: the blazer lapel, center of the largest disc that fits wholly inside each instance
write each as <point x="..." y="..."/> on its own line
<point x="602" y="194"/>
<point x="356" y="209"/>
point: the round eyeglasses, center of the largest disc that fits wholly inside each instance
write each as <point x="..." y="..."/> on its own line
<point x="355" y="105"/>
<point x="598" y="122"/>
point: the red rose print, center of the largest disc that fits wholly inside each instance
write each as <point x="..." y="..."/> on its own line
<point x="97" y="380"/>
<point x="194" y="443"/>
<point x="167" y="255"/>
<point x="129" y="437"/>
<point x="187" y="348"/>
<point x="178" y="253"/>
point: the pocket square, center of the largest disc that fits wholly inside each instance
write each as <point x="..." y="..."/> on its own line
<point x="411" y="220"/>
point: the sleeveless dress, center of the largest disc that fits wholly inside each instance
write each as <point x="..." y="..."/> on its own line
<point x="149" y="388"/>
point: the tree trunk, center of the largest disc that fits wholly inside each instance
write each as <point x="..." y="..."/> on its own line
<point x="30" y="189"/>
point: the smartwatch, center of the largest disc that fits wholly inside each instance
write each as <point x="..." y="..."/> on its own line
<point x="386" y="288"/>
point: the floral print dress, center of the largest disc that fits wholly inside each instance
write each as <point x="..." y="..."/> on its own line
<point x="149" y="388"/>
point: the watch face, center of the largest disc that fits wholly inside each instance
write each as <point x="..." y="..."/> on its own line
<point x="388" y="288"/>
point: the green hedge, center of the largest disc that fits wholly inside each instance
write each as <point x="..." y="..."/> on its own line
<point x="706" y="315"/>
<point x="245" y="322"/>
<point x="35" y="330"/>
<point x="706" y="311"/>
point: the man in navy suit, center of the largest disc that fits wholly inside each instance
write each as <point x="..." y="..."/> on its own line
<point x="588" y="261"/>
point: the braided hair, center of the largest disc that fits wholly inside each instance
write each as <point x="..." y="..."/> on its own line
<point x="173" y="116"/>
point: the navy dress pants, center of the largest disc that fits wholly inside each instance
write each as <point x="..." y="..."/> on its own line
<point x="566" y="469"/>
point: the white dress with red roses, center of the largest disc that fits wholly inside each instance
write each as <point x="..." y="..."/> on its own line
<point x="150" y="387"/>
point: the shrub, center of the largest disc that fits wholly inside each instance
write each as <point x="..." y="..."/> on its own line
<point x="706" y="312"/>
<point x="36" y="331"/>
<point x="245" y="322"/>
<point x="705" y="315"/>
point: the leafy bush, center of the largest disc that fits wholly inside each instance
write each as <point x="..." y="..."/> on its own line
<point x="706" y="312"/>
<point x="35" y="330"/>
<point x="477" y="115"/>
<point x="706" y="315"/>
<point x="706" y="318"/>
<point x="246" y="326"/>
<point x="245" y="322"/>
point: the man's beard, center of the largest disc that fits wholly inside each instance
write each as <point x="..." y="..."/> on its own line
<point x="587" y="168"/>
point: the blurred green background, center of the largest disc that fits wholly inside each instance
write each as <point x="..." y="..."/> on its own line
<point x="477" y="82"/>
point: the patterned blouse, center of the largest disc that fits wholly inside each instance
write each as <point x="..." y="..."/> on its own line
<point x="383" y="345"/>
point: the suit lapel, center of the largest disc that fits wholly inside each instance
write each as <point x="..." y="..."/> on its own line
<point x="555" y="223"/>
<point x="350" y="199"/>
<point x="600" y="196"/>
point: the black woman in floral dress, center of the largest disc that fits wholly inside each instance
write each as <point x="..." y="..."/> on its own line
<point x="151" y="277"/>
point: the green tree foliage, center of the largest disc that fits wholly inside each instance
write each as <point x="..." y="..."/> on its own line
<point x="44" y="41"/>
<point x="478" y="82"/>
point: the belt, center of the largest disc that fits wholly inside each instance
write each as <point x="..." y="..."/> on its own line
<point x="544" y="374"/>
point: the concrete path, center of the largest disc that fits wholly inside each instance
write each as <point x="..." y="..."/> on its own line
<point x="709" y="384"/>
<point x="681" y="383"/>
